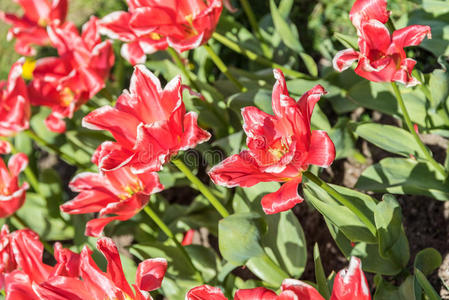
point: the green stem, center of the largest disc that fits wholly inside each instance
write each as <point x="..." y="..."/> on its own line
<point x="340" y="198"/>
<point x="180" y="64"/>
<point x="223" y="68"/>
<point x="257" y="58"/>
<point x="24" y="225"/>
<point x="53" y="149"/>
<point x="152" y="214"/>
<point x="201" y="187"/>
<point x="409" y="124"/>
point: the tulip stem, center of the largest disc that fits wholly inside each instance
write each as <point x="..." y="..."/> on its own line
<point x="201" y="187"/>
<point x="410" y="127"/>
<point x="53" y="149"/>
<point x="153" y="215"/>
<point x="24" y="225"/>
<point x="257" y="58"/>
<point x="181" y="65"/>
<point x="223" y="68"/>
<point x="340" y="198"/>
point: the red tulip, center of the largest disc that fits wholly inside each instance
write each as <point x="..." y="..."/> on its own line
<point x="149" y="124"/>
<point x="77" y="277"/>
<point x="349" y="284"/>
<point x="152" y="25"/>
<point x="30" y="29"/>
<point x="281" y="147"/>
<point x="12" y="194"/>
<point x="22" y="250"/>
<point x="14" y="103"/>
<point x="65" y="83"/>
<point x="118" y="193"/>
<point x="381" y="56"/>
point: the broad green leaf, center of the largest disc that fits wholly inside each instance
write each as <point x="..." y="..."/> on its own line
<point x="439" y="86"/>
<point x="205" y="260"/>
<point x="427" y="260"/>
<point x="404" y="176"/>
<point x="285" y="242"/>
<point x="285" y="8"/>
<point x="260" y="98"/>
<point x="387" y="291"/>
<point x="389" y="138"/>
<point x="436" y="7"/>
<point x="347" y="40"/>
<point x="239" y="237"/>
<point x="339" y="215"/>
<point x="38" y="218"/>
<point x="388" y="219"/>
<point x="267" y="270"/>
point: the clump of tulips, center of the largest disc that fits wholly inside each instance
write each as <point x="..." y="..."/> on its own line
<point x="179" y="127"/>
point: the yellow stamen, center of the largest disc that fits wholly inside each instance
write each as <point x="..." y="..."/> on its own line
<point x="189" y="20"/>
<point x="155" y="36"/>
<point x="67" y="96"/>
<point x="28" y="68"/>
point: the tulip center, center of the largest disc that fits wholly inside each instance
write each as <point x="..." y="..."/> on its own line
<point x="279" y="148"/>
<point x="155" y="36"/>
<point x="67" y="96"/>
<point x="191" y="29"/>
<point x="42" y="22"/>
<point x="28" y="68"/>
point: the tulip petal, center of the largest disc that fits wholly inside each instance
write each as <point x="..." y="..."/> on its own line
<point x="303" y="291"/>
<point x="18" y="286"/>
<point x="322" y="149"/>
<point x="193" y="134"/>
<point x="364" y="10"/>
<point x="133" y="53"/>
<point x="35" y="10"/>
<point x="205" y="292"/>
<point x="95" y="227"/>
<point x="150" y="274"/>
<point x="279" y="103"/>
<point x="59" y="10"/>
<point x="411" y="35"/>
<point x="375" y="36"/>
<point x="17" y="164"/>
<point x="404" y="74"/>
<point x="238" y="170"/>
<point x="344" y="59"/>
<point x="283" y="199"/>
<point x="351" y="284"/>
<point x="55" y="124"/>
<point x="5" y="147"/>
<point x="116" y="26"/>
<point x="259" y="293"/>
<point x="114" y="268"/>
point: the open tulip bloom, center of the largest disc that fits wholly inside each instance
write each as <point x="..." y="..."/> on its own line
<point x="14" y="103"/>
<point x="280" y="147"/>
<point x="119" y="193"/>
<point x="31" y="28"/>
<point x="349" y="284"/>
<point x="12" y="194"/>
<point x="150" y="124"/>
<point x="381" y="56"/>
<point x="75" y="276"/>
<point x="152" y="25"/>
<point x="66" y="82"/>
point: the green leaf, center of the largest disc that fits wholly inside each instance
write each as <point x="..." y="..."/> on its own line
<point x="264" y="268"/>
<point x="388" y="218"/>
<point x="426" y="286"/>
<point x="290" y="39"/>
<point x="439" y="86"/>
<point x="37" y="216"/>
<point x="320" y="276"/>
<point x="285" y="242"/>
<point x="427" y="261"/>
<point x="239" y="237"/>
<point x="387" y="291"/>
<point x="339" y="215"/>
<point x="205" y="260"/>
<point x="389" y="138"/>
<point x="404" y="176"/>
<point x="436" y="7"/>
<point x="348" y="41"/>
<point x="260" y="98"/>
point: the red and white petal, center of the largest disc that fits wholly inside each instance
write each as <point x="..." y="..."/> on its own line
<point x="35" y="10"/>
<point x="364" y="10"/>
<point x="114" y="267"/>
<point x="351" y="284"/>
<point x="258" y="123"/>
<point x="59" y="11"/>
<point x="404" y="74"/>
<point x="5" y="147"/>
<point x="17" y="164"/>
<point x="193" y="134"/>
<point x="308" y="101"/>
<point x="186" y="44"/>
<point x="280" y="97"/>
<point x="205" y="292"/>
<point x="238" y="170"/>
<point x="150" y="274"/>
<point x="283" y="199"/>
<point x="344" y="59"/>
<point x="322" y="149"/>
<point x="411" y="35"/>
<point x="375" y="36"/>
<point x="116" y="26"/>
<point x="133" y="53"/>
<point x="295" y="289"/>
<point x="95" y="227"/>
<point x="55" y="124"/>
<point x="259" y="293"/>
